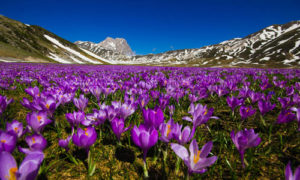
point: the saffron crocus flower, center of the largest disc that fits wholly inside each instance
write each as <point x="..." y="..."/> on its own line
<point x="144" y="138"/>
<point x="243" y="140"/>
<point x="153" y="117"/>
<point x="233" y="102"/>
<point x="118" y="127"/>
<point x="81" y="102"/>
<point x="15" y="127"/>
<point x="196" y="161"/>
<point x="285" y="116"/>
<point x="246" y="111"/>
<point x="289" y="173"/>
<point x="37" y="121"/>
<point x="85" y="138"/>
<point x="265" y="106"/>
<point x="35" y="142"/>
<point x="27" y="170"/>
<point x="75" y="118"/>
<point x="7" y="141"/>
<point x="297" y="110"/>
<point x="64" y="143"/>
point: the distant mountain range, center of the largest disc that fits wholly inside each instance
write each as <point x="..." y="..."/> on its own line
<point x="273" y="46"/>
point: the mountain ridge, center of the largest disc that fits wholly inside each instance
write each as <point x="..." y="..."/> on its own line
<point x="274" y="46"/>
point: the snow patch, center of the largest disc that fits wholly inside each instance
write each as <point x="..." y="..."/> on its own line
<point x="265" y="59"/>
<point x="56" y="42"/>
<point x="58" y="59"/>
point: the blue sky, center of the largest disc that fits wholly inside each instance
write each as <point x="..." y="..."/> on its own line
<point x="153" y="26"/>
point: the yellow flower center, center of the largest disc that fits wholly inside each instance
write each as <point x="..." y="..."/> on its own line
<point x="16" y="129"/>
<point x="85" y="132"/>
<point x="205" y="112"/>
<point x="12" y="174"/>
<point x="247" y="109"/>
<point x="39" y="118"/>
<point x="33" y="140"/>
<point x="196" y="158"/>
<point x="168" y="130"/>
<point x="47" y="106"/>
<point x="143" y="103"/>
<point x="3" y="141"/>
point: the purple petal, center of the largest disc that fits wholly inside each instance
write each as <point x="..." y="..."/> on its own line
<point x="206" y="149"/>
<point x="180" y="151"/>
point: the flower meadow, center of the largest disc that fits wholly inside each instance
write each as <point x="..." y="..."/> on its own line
<point x="133" y="122"/>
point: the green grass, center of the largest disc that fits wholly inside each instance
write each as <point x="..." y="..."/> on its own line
<point x="280" y="144"/>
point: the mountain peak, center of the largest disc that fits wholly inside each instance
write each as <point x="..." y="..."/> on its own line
<point x="119" y="45"/>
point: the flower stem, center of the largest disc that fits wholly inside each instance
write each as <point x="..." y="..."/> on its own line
<point x="177" y="165"/>
<point x="145" y="169"/>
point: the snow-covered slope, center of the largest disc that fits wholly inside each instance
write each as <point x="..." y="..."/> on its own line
<point x="274" y="45"/>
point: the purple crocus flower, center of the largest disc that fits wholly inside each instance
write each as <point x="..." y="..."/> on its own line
<point x="289" y="90"/>
<point x="154" y="94"/>
<point x="15" y="127"/>
<point x="166" y="131"/>
<point x="246" y="111"/>
<point x="196" y="161"/>
<point x="153" y="117"/>
<point x="27" y="170"/>
<point x="184" y="136"/>
<point x="4" y="102"/>
<point x="265" y="106"/>
<point x="144" y="138"/>
<point x="7" y="141"/>
<point x="143" y="100"/>
<point x="126" y="110"/>
<point x="285" y="116"/>
<point x="75" y="118"/>
<point x="200" y="114"/>
<point x="85" y="138"/>
<point x="297" y="110"/>
<point x="243" y="140"/>
<point x="289" y="173"/>
<point x="96" y="91"/>
<point x="118" y="127"/>
<point x="254" y="96"/>
<point x="171" y="110"/>
<point x="163" y="102"/>
<point x="37" y="121"/>
<point x="35" y="142"/>
<point x="64" y="143"/>
<point x="193" y="98"/>
<point x="233" y="102"/>
<point x="285" y="102"/>
<point x="33" y="92"/>
<point x="49" y="104"/>
<point x="81" y="102"/>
